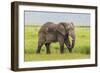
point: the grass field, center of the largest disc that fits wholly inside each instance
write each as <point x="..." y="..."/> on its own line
<point x="80" y="51"/>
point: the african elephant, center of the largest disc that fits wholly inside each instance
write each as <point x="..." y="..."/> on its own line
<point x="50" y="32"/>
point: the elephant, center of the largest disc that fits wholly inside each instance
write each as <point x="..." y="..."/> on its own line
<point x="63" y="32"/>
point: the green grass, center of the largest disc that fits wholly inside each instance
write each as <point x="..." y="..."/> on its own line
<point x="67" y="56"/>
<point x="80" y="51"/>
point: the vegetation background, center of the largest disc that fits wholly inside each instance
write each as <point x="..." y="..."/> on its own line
<point x="80" y="51"/>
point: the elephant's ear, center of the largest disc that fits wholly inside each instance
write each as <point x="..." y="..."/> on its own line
<point x="60" y="29"/>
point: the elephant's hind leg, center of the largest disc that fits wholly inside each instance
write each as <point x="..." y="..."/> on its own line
<point x="39" y="47"/>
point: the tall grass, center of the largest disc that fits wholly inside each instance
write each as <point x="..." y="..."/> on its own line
<point x="82" y="44"/>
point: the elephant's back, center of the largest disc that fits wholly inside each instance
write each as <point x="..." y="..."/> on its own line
<point x="47" y="27"/>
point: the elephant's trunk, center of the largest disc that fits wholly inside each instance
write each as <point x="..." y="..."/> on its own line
<point x="70" y="43"/>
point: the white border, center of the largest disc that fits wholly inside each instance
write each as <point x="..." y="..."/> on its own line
<point x="34" y="64"/>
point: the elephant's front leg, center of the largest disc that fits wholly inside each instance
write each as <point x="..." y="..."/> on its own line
<point x="47" y="48"/>
<point x="61" y="49"/>
<point x="61" y="42"/>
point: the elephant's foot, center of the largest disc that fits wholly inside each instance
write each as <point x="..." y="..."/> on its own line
<point x="38" y="51"/>
<point x="48" y="52"/>
<point x="62" y="50"/>
<point x="70" y="50"/>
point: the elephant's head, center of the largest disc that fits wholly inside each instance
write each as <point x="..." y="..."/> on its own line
<point x="69" y="34"/>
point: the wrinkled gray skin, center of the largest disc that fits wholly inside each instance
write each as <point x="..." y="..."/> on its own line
<point x="51" y="32"/>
